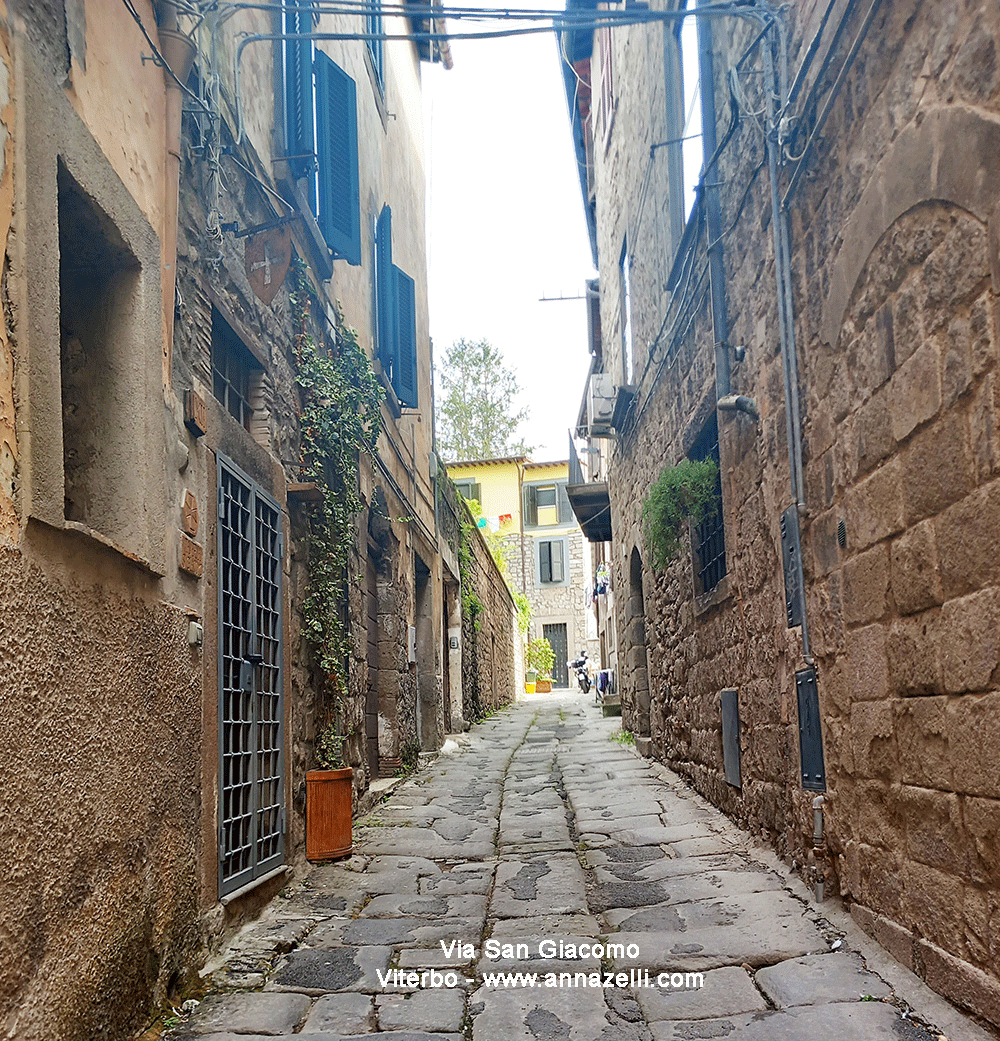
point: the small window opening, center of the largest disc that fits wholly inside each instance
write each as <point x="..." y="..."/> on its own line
<point x="710" y="535"/>
<point x="236" y="374"/>
<point x="100" y="375"/>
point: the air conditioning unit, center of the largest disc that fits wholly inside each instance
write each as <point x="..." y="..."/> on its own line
<point x="600" y="404"/>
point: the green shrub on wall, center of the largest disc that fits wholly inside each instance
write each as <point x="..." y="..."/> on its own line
<point x="687" y="492"/>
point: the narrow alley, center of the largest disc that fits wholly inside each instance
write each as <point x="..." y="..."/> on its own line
<point x="535" y="848"/>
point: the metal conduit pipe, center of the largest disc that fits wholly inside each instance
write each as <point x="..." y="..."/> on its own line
<point x="713" y="215"/>
<point x="786" y="324"/>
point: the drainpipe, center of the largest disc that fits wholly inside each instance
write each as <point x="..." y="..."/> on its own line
<point x="178" y="52"/>
<point x="739" y="403"/>
<point x="713" y="218"/>
<point x="786" y="320"/>
<point x="818" y="851"/>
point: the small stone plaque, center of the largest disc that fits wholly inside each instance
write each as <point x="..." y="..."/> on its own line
<point x="192" y="557"/>
<point x="195" y="413"/>
<point x="189" y="514"/>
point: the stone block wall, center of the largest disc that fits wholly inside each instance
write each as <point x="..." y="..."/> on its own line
<point x="488" y="631"/>
<point x="895" y="274"/>
<point x="555" y="602"/>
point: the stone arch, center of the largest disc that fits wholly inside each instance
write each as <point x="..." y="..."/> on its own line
<point x="923" y="165"/>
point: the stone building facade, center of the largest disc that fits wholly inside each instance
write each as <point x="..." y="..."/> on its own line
<point x="525" y="504"/>
<point x="176" y="251"/>
<point x="818" y="312"/>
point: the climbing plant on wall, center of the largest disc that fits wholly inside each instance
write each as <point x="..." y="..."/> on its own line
<point x="340" y="419"/>
<point x="682" y="493"/>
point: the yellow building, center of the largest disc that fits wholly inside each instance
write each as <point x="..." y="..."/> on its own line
<point x="526" y="502"/>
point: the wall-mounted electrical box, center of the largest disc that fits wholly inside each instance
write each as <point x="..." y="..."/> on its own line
<point x="411" y="643"/>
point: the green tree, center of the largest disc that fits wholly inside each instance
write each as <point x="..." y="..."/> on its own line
<point x="476" y="416"/>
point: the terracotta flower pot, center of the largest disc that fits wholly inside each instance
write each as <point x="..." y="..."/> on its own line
<point x="543" y="686"/>
<point x="328" y="814"/>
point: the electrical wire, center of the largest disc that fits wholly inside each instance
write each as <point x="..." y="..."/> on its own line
<point x="160" y="60"/>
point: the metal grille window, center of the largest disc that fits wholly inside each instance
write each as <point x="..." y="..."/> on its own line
<point x="710" y="535"/>
<point x="251" y="737"/>
<point x="235" y="372"/>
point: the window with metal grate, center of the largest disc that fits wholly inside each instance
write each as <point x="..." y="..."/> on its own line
<point x="251" y="731"/>
<point x="709" y="537"/>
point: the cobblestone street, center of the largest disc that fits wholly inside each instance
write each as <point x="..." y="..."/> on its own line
<point x="539" y="838"/>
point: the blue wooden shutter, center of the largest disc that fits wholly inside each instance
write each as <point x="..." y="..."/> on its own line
<point x="337" y="147"/>
<point x="385" y="292"/>
<point x="404" y="376"/>
<point x="300" y="138"/>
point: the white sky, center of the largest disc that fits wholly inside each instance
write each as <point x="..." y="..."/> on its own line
<point x="506" y="222"/>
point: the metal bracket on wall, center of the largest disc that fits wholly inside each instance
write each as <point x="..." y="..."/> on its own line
<point x="791" y="558"/>
<point x="810" y="731"/>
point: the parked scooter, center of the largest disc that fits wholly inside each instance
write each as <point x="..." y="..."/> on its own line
<point x="579" y="665"/>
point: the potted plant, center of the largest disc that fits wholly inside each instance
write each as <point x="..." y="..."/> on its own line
<point x="540" y="659"/>
<point x="329" y="799"/>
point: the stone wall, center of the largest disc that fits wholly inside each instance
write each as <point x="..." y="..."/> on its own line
<point x="895" y="262"/>
<point x="489" y="626"/>
<point x="552" y="602"/>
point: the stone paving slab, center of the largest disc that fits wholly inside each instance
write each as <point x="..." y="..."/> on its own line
<point x="424" y="842"/>
<point x="525" y="1014"/>
<point x="820" y="978"/>
<point x="547" y="925"/>
<point x="318" y="971"/>
<point x="393" y="905"/>
<point x="531" y="846"/>
<point x="535" y="885"/>
<point x="242" y="1013"/>
<point x="341" y="1014"/>
<point x="462" y="880"/>
<point x="739" y="909"/>
<point x="757" y="944"/>
<point x="721" y="1029"/>
<point x="324" y="1035"/>
<point x="862" y="1021"/>
<point x="708" y="847"/>
<point x="725" y="992"/>
<point x="430" y="1010"/>
<point x="412" y="930"/>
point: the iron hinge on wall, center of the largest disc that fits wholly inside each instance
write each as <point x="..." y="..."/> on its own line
<point x="283" y="822"/>
<point x="222" y="852"/>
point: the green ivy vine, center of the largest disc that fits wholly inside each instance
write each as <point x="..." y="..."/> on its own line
<point x="340" y="419"/>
